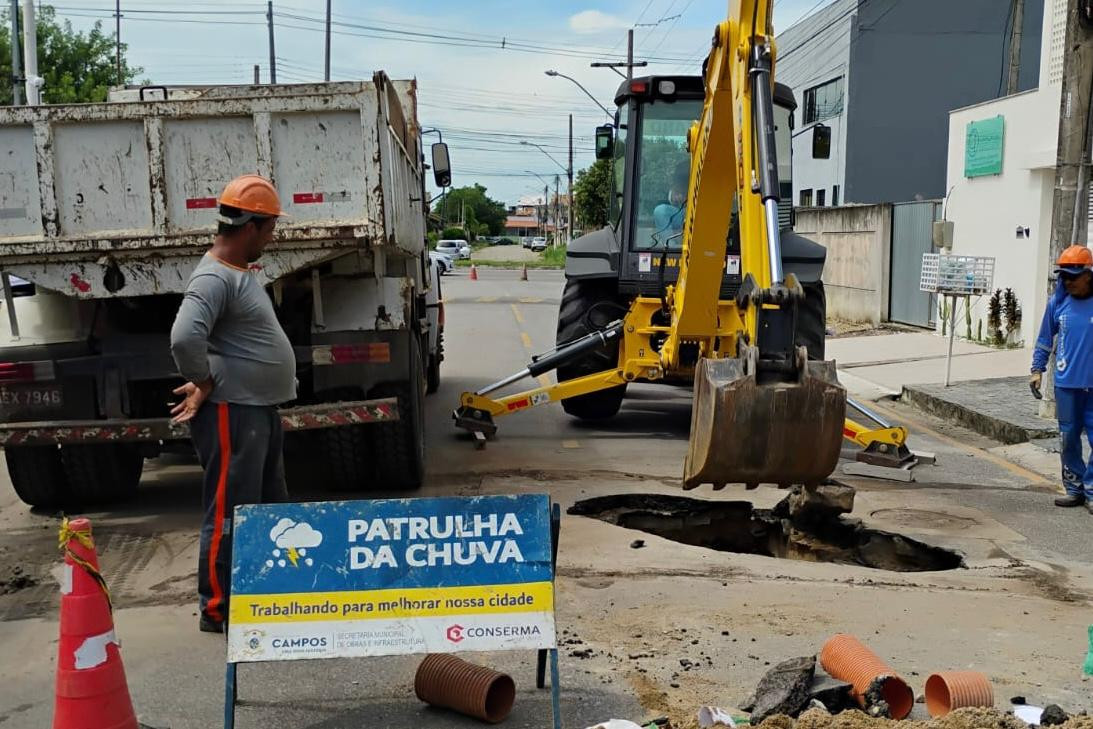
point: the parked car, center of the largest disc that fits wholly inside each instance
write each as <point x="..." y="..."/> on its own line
<point x="538" y="244"/>
<point x="443" y="261"/>
<point x="506" y="242"/>
<point x="457" y="249"/>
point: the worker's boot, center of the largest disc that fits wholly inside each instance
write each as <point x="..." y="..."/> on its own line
<point x="207" y="625"/>
<point x="1070" y="500"/>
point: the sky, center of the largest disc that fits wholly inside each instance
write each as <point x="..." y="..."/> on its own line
<point x="480" y="64"/>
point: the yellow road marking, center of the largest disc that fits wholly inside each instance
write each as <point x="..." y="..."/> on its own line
<point x="516" y="313"/>
<point x="525" y="339"/>
<point x="531" y="300"/>
<point x="486" y="299"/>
<point x="544" y="381"/>
<point x="570" y="444"/>
<point x="1013" y="468"/>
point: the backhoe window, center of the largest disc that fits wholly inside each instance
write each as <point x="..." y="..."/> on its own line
<point x="618" y="166"/>
<point x="663" y="168"/>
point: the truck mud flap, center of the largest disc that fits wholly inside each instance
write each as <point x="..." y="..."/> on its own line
<point x="751" y="432"/>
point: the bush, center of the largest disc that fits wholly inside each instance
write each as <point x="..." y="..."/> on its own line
<point x="454" y="234"/>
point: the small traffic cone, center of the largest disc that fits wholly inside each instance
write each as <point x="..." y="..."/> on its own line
<point x="91" y="687"/>
<point x="524" y="273"/>
<point x="474" y="273"/>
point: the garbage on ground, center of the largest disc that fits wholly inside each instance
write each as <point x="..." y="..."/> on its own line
<point x="616" y="724"/>
<point x="1028" y="713"/>
<point x="709" y="716"/>
<point x="1087" y="669"/>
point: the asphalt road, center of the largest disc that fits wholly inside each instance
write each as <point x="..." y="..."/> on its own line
<point x="626" y="616"/>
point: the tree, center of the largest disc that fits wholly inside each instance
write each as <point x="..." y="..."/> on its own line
<point x="476" y="208"/>
<point x="77" y="67"/>
<point x="592" y="193"/>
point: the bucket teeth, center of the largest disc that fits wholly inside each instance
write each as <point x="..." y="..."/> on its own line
<point x="782" y="433"/>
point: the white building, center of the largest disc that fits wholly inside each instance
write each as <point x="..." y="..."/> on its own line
<point x="1008" y="215"/>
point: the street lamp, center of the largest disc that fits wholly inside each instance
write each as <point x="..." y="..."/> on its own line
<point x="569" y="174"/>
<point x="582" y="88"/>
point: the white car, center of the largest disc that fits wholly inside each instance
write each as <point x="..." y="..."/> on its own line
<point x="457" y="249"/>
<point x="443" y="261"/>
<point x="538" y="244"/>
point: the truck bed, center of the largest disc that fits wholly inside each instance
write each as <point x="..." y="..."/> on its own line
<point x="118" y="199"/>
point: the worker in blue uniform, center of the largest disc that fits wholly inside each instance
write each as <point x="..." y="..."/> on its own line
<point x="1068" y="323"/>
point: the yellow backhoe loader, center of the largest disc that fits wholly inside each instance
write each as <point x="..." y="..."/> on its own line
<point x="716" y="290"/>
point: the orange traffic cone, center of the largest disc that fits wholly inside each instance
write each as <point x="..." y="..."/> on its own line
<point x="91" y="687"/>
<point x="524" y="273"/>
<point x="474" y="273"/>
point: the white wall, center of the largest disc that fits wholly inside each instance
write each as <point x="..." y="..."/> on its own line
<point x="986" y="211"/>
<point x="808" y="58"/>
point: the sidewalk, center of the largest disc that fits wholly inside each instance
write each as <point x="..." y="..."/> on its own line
<point x="988" y="392"/>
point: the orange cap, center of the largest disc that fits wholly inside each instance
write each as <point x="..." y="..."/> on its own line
<point x="1076" y="257"/>
<point x="252" y="194"/>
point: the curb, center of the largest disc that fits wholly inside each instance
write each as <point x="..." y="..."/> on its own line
<point x="988" y="425"/>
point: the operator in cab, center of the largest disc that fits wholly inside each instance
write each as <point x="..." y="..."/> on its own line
<point x="1068" y="324"/>
<point x="668" y="216"/>
<point x="239" y="366"/>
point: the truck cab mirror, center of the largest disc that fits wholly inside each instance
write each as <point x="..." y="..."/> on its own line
<point x="605" y="141"/>
<point x="442" y="166"/>
<point x="821" y="142"/>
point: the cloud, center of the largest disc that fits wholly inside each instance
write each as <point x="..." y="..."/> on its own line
<point x="593" y="21"/>
<point x="299" y="536"/>
<point x="280" y="527"/>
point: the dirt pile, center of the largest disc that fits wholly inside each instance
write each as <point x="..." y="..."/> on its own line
<point x="968" y="718"/>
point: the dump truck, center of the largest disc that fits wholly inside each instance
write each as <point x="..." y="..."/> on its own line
<point x="106" y="208"/>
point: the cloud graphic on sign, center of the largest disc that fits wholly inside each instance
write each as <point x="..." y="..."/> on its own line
<point x="280" y="528"/>
<point x="298" y="536"/>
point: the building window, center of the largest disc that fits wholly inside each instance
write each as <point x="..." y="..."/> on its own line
<point x="806" y="198"/>
<point x="821" y="197"/>
<point x="824" y="101"/>
<point x="835" y="196"/>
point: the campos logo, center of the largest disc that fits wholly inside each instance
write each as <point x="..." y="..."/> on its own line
<point x="303" y="642"/>
<point x="455" y="633"/>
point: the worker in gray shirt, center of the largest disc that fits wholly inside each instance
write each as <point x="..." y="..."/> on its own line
<point x="239" y="366"/>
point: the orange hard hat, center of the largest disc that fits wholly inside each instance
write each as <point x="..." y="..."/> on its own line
<point x="1075" y="259"/>
<point x="252" y="194"/>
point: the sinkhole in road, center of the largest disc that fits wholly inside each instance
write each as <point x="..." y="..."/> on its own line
<point x="737" y="526"/>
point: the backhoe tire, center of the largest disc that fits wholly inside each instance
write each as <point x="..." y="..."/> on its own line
<point x="37" y="475"/>
<point x="102" y="473"/>
<point x="812" y="320"/>
<point x="588" y="305"/>
<point x="399" y="447"/>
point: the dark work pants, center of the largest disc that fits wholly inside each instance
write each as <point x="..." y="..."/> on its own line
<point x="239" y="447"/>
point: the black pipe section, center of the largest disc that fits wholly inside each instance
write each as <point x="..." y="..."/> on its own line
<point x="762" y="105"/>
<point x="575" y="349"/>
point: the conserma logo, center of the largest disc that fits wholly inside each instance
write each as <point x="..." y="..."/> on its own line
<point x="455" y="633"/>
<point x="458" y="633"/>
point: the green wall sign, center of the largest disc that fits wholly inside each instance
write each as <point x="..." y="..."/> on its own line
<point x="983" y="143"/>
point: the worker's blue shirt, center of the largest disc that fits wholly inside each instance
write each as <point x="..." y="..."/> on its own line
<point x="1069" y="323"/>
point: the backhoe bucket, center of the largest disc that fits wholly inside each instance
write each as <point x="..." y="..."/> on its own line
<point x="782" y="433"/>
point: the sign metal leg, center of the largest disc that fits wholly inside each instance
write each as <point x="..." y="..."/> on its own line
<point x="555" y="690"/>
<point x="229" y="696"/>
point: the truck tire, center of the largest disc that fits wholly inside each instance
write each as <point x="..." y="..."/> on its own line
<point x="346" y="457"/>
<point x="37" y="475"/>
<point x="588" y="305"/>
<point x="812" y="320"/>
<point x="399" y="447"/>
<point x="102" y="473"/>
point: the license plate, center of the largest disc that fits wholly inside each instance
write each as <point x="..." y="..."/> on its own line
<point x="31" y="397"/>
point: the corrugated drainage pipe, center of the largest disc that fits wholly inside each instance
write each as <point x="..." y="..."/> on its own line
<point x="450" y="682"/>
<point x="948" y="690"/>
<point x="847" y="659"/>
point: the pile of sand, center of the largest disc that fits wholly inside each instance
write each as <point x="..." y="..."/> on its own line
<point x="969" y="718"/>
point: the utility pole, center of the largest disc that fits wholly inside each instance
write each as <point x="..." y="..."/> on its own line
<point x="629" y="57"/>
<point x="257" y="74"/>
<point x="569" y="193"/>
<point x="16" y="59"/>
<point x="557" y="217"/>
<point x="546" y="207"/>
<point x="30" y="53"/>
<point x="272" y="51"/>
<point x="326" y="75"/>
<point x="1068" y="208"/>
<point x="117" y="40"/>
<point x="1016" y="28"/>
